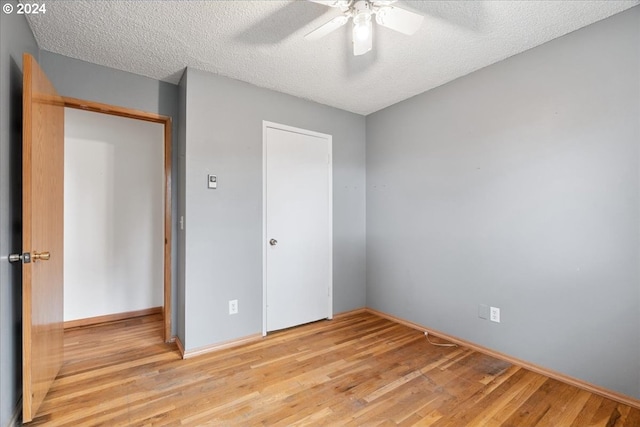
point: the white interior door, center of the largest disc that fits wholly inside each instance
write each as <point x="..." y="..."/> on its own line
<point x="298" y="226"/>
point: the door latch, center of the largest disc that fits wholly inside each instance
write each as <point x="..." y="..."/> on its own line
<point x="25" y="257"/>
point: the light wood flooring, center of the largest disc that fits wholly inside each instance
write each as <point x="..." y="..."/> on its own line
<point x="356" y="370"/>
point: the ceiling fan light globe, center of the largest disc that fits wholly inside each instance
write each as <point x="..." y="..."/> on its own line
<point x="362" y="26"/>
<point x="361" y="32"/>
<point x="362" y="18"/>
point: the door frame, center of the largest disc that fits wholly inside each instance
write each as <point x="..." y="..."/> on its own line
<point x="166" y="121"/>
<point x="272" y="125"/>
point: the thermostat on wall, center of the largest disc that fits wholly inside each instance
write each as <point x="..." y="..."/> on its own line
<point x="212" y="181"/>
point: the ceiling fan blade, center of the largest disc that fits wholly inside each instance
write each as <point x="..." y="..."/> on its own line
<point x="363" y="41"/>
<point x="325" y="29"/>
<point x="398" y="19"/>
<point x="332" y="3"/>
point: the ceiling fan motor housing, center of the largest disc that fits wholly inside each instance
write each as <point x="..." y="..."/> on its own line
<point x="362" y="6"/>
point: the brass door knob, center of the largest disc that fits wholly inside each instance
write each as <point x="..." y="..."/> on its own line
<point x="41" y="256"/>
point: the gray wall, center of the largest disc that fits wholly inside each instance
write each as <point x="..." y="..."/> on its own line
<point x="518" y="186"/>
<point x="224" y="226"/>
<point x="15" y="39"/>
<point x="79" y="79"/>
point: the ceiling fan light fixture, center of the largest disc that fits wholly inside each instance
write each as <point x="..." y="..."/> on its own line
<point x="362" y="11"/>
<point x="382" y="14"/>
<point x="362" y="26"/>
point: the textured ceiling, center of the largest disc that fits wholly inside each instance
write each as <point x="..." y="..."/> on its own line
<point x="261" y="42"/>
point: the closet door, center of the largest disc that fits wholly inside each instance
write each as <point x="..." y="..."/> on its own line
<point x="298" y="226"/>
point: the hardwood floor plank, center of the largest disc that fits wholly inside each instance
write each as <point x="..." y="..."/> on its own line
<point x="573" y="401"/>
<point x="356" y="370"/>
<point x="587" y="412"/>
<point x="628" y="417"/>
<point x="507" y="400"/>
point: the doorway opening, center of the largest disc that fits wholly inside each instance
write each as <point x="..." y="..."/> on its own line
<point x="148" y="239"/>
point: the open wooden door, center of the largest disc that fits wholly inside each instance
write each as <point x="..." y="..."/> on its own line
<point x="42" y="223"/>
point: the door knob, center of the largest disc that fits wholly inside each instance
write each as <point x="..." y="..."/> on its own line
<point x="41" y="256"/>
<point x="273" y="242"/>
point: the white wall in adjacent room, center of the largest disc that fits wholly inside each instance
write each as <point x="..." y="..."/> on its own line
<point x="114" y="214"/>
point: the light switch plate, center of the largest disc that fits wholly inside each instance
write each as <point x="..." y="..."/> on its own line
<point x="483" y="311"/>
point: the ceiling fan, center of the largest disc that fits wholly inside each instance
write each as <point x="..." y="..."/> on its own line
<point x="362" y="11"/>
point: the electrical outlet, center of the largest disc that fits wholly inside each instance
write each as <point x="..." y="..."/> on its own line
<point x="233" y="306"/>
<point x="494" y="314"/>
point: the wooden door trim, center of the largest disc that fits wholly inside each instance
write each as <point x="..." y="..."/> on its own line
<point x="166" y="121"/>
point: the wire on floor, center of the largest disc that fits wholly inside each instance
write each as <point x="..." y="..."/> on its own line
<point x="426" y="334"/>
